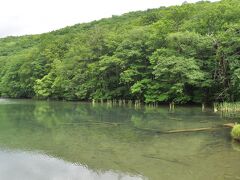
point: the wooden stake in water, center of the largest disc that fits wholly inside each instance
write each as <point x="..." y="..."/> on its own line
<point x="215" y="107"/>
<point x="203" y="107"/>
<point x="171" y="106"/>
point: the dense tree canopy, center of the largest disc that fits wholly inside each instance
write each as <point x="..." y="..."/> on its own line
<point x="182" y="54"/>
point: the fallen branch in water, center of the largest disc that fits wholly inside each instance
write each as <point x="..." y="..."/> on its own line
<point x="92" y="123"/>
<point x="166" y="159"/>
<point x="192" y="130"/>
<point x="229" y="125"/>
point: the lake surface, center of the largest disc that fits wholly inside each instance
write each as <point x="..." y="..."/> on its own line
<point x="43" y="140"/>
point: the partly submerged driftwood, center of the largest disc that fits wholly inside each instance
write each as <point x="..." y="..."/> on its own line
<point x="192" y="130"/>
<point x="176" y="161"/>
<point x="229" y="125"/>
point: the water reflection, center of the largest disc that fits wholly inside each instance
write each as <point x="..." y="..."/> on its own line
<point x="109" y="140"/>
<point x="5" y="101"/>
<point x="15" y="165"/>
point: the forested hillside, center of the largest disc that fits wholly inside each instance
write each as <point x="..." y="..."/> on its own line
<point x="182" y="54"/>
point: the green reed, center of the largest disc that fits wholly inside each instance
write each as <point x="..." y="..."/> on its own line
<point x="227" y="107"/>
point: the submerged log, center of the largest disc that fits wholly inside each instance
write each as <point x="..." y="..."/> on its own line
<point x="229" y="125"/>
<point x="192" y="130"/>
<point x="165" y="159"/>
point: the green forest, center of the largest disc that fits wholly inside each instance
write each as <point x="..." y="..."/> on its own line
<point x="182" y="54"/>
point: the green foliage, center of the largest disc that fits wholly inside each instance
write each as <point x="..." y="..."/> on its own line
<point x="235" y="133"/>
<point x="177" y="75"/>
<point x="181" y="54"/>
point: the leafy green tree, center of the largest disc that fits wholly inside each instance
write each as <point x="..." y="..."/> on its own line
<point x="177" y="77"/>
<point x="187" y="53"/>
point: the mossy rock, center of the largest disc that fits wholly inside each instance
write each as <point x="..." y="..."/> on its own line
<point x="236" y="132"/>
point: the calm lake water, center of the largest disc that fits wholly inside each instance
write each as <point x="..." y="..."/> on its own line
<point x="42" y="140"/>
